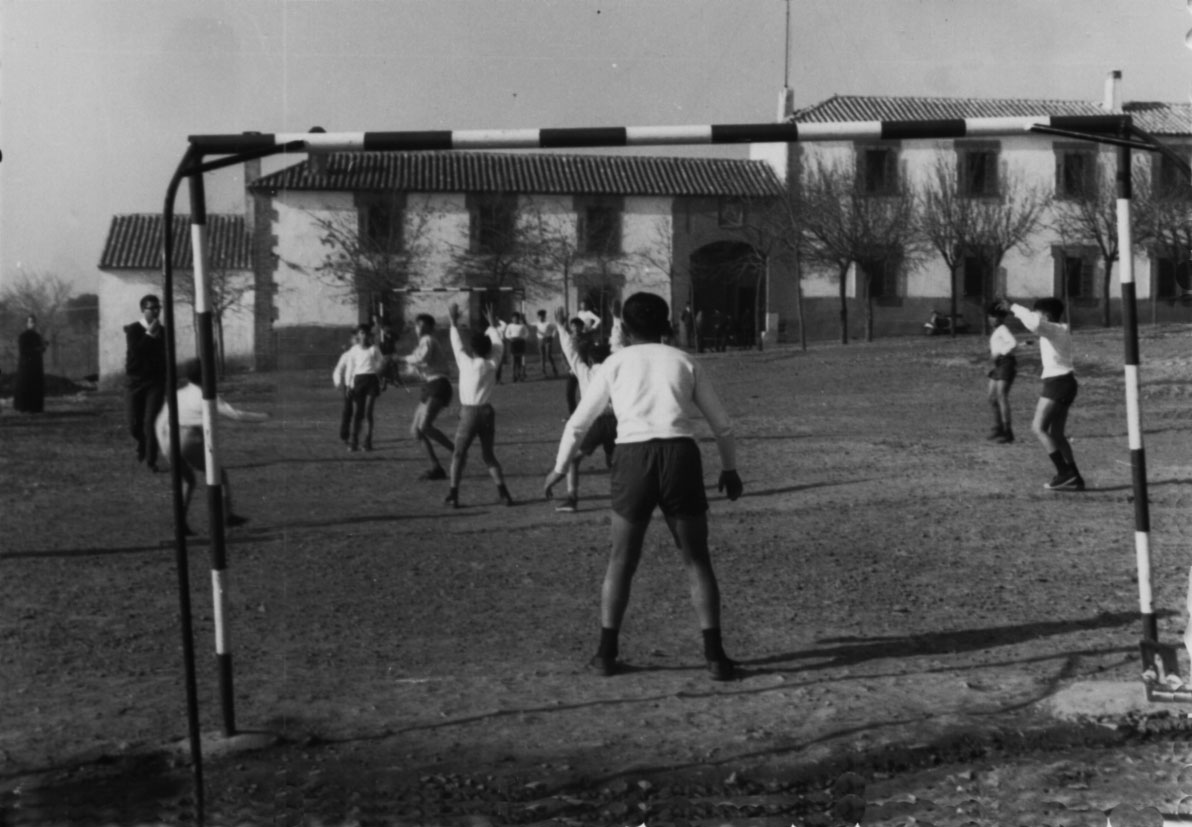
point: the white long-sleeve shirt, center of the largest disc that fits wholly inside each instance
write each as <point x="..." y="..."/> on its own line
<point x="657" y="392"/>
<point x="190" y="413"/>
<point x="429" y="359"/>
<point x="477" y="375"/>
<point x="356" y="360"/>
<point x="1055" y="341"/>
<point x="1001" y="341"/>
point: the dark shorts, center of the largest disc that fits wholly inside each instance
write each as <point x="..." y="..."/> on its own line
<point x="1061" y="389"/>
<point x="517" y="347"/>
<point x="476" y="421"/>
<point x="438" y="390"/>
<point x="1005" y="368"/>
<point x="365" y="385"/>
<point x="602" y="434"/>
<point x="192" y="447"/>
<point x="663" y="473"/>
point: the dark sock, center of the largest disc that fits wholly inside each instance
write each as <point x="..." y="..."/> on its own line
<point x="1057" y="459"/>
<point x="713" y="649"/>
<point x="453" y="494"/>
<point x="608" y="643"/>
<point x="503" y="491"/>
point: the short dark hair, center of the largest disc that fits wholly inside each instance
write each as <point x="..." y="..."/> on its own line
<point x="426" y="319"/>
<point x="996" y="310"/>
<point x="646" y="316"/>
<point x="364" y="328"/>
<point x="1050" y="306"/>
<point x="481" y="344"/>
<point x="148" y="299"/>
<point x="192" y="369"/>
<point x="542" y="314"/>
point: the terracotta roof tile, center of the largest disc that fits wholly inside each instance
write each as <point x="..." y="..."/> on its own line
<point x="135" y="242"/>
<point x="540" y="173"/>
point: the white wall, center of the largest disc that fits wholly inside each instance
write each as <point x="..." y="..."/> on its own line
<point x="119" y="304"/>
<point x="303" y="296"/>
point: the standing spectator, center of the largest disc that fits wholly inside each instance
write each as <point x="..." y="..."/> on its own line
<point x="592" y="322"/>
<point x="477" y="360"/>
<point x="720" y="330"/>
<point x="686" y="330"/>
<point x="358" y="375"/>
<point x="548" y="333"/>
<point x="29" y="393"/>
<point x="701" y="330"/>
<point x="516" y="333"/>
<point x="145" y="378"/>
<point x="430" y="360"/>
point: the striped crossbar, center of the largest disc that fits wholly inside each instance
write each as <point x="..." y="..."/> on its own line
<point x="653" y="135"/>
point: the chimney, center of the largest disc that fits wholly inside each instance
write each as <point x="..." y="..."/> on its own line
<point x="786" y="104"/>
<point x="317" y="161"/>
<point x="1113" y="92"/>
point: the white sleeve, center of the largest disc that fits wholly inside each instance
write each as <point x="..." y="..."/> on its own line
<point x="591" y="405"/>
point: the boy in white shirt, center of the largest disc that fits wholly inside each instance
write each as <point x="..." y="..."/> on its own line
<point x="191" y="445"/>
<point x="657" y="392"/>
<point x="357" y="375"/>
<point x="478" y="361"/>
<point x="1059" y="388"/>
<point x="1001" y="377"/>
<point x="430" y="360"/>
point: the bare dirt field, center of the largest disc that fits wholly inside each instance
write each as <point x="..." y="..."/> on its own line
<point x="902" y="594"/>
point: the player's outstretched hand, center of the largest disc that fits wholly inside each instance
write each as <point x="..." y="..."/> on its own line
<point x="454" y="313"/>
<point x="552" y="479"/>
<point x="560" y="317"/>
<point x="730" y="483"/>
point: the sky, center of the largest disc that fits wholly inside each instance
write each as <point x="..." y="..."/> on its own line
<point x="97" y="97"/>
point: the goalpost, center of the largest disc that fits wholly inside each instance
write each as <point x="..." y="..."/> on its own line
<point x="229" y="150"/>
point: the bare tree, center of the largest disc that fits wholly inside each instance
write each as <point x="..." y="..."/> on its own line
<point x="1166" y="212"/>
<point x="843" y="225"/>
<point x="1090" y="217"/>
<point x="772" y="231"/>
<point x="41" y="294"/>
<point x="946" y="220"/>
<point x="226" y="290"/>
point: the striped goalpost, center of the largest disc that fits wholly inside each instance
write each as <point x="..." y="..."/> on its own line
<point x="233" y="149"/>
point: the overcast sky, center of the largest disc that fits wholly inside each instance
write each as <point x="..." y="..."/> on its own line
<point x="97" y="96"/>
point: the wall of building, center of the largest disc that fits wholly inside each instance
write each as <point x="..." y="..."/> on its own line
<point x="119" y="304"/>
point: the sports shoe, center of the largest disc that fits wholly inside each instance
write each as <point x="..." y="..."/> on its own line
<point x="353" y="449"/>
<point x="604" y="666"/>
<point x="722" y="670"/>
<point x="996" y="433"/>
<point x="1066" y="481"/>
<point x="569" y="505"/>
<point x="1004" y="438"/>
<point x="368" y="445"/>
<point x="233" y="520"/>
<point x="506" y="500"/>
<point x="451" y="500"/>
<point x="436" y="473"/>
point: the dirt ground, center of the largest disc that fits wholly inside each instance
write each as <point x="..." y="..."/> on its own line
<point x="902" y="594"/>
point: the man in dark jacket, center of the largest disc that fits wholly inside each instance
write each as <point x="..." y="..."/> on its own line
<point x="145" y="377"/>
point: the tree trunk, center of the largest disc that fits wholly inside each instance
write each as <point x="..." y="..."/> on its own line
<point x="844" y="306"/>
<point x="868" y="307"/>
<point x="952" y="270"/>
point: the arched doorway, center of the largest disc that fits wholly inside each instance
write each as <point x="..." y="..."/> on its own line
<point x="726" y="283"/>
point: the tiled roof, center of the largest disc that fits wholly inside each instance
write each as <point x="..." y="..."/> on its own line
<point x="135" y="241"/>
<point x="1156" y="118"/>
<point x="540" y="173"/>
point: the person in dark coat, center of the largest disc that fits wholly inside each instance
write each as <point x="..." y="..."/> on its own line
<point x="145" y="378"/>
<point x="29" y="392"/>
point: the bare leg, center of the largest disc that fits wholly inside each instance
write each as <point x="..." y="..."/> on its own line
<point x="627" y="538"/>
<point x="691" y="536"/>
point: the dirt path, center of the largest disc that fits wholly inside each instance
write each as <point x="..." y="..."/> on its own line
<point x="894" y="584"/>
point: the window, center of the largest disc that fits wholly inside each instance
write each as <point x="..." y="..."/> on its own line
<point x="599" y="226"/>
<point x="382" y="221"/>
<point x="977" y="170"/>
<point x="877" y="170"/>
<point x="881" y="275"/>
<point x="732" y="212"/>
<point x="1170" y="179"/>
<point x="1075" y="173"/>
<point x="493" y="228"/>
<point x="1075" y="271"/>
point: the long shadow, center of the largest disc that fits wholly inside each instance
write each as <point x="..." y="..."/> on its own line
<point x="33" y="420"/>
<point x="791" y="489"/>
<point x="850" y="651"/>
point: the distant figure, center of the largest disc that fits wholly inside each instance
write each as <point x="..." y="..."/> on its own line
<point x="516" y="333"/>
<point x="145" y="377"/>
<point x="29" y="393"/>
<point x="686" y="327"/>
<point x="1001" y="377"/>
<point x="548" y="334"/>
<point x="429" y="359"/>
<point x="357" y="374"/>
<point x="701" y="331"/>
